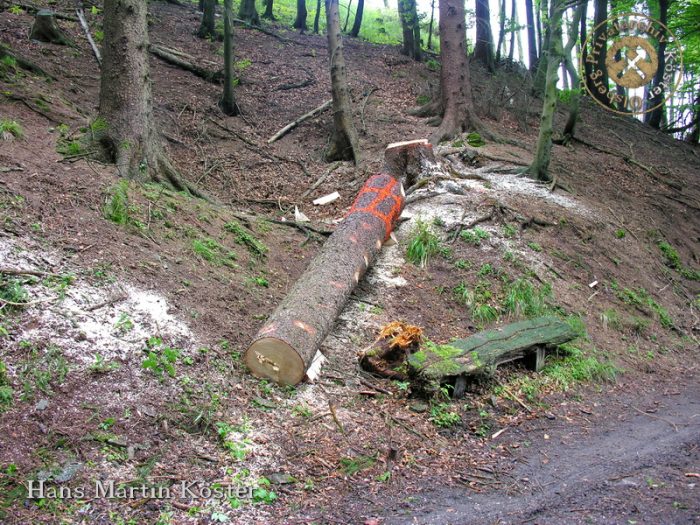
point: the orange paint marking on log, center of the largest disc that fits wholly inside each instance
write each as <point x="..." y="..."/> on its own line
<point x="336" y="284"/>
<point x="381" y="193"/>
<point x="353" y="238"/>
<point x="307" y="328"/>
<point x="267" y="329"/>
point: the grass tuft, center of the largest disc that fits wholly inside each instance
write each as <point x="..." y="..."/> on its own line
<point x="10" y="129"/>
<point x="422" y="245"/>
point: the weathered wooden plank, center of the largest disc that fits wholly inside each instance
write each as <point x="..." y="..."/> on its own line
<point x="488" y="349"/>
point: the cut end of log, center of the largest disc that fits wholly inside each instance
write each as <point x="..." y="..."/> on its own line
<point x="409" y="143"/>
<point x="272" y="358"/>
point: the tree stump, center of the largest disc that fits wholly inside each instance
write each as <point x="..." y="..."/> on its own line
<point x="45" y="29"/>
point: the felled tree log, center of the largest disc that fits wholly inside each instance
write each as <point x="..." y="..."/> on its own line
<point x="412" y="160"/>
<point x="45" y="29"/>
<point x="171" y="56"/>
<point x="285" y="346"/>
<point x="434" y="365"/>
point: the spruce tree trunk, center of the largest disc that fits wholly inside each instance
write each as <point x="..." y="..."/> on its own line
<point x="513" y="16"/>
<point x="539" y="169"/>
<point x="531" y="41"/>
<point x="317" y="16"/>
<point x="455" y="83"/>
<point x="207" y="29"/>
<point x="300" y="22"/>
<point x="601" y="14"/>
<point x="357" y="24"/>
<point x="344" y="143"/>
<point x="408" y="15"/>
<point x="432" y="22"/>
<point x="248" y="12"/>
<point x="654" y="117"/>
<point x="268" y="14"/>
<point x="501" y="29"/>
<point x="228" y="102"/>
<point x="483" y="49"/>
<point x="129" y="140"/>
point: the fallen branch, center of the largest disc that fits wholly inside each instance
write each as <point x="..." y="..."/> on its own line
<point x="86" y="29"/>
<point x="375" y="387"/>
<point x="320" y="180"/>
<point x="34" y="273"/>
<point x="471" y="224"/>
<point x="675" y="427"/>
<point x="167" y="55"/>
<point x="306" y="116"/>
<point x="295" y="85"/>
<point x="108" y="302"/>
<point x="267" y="32"/>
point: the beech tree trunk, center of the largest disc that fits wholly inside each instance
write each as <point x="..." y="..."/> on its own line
<point x="207" y="29"/>
<point x="539" y="169"/>
<point x="531" y="40"/>
<point x="483" y="49"/>
<point x="408" y="15"/>
<point x="654" y="118"/>
<point x="455" y="83"/>
<point x="268" y="14"/>
<point x="431" y="24"/>
<point x="344" y="143"/>
<point x="248" y="12"/>
<point x="513" y="21"/>
<point x="357" y="24"/>
<point x="572" y="38"/>
<point x="228" y="101"/>
<point x="300" y="22"/>
<point x="285" y="346"/>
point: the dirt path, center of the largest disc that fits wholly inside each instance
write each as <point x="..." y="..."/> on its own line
<point x="626" y="468"/>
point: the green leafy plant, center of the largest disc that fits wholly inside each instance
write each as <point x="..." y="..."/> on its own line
<point x="16" y="10"/>
<point x="474" y="236"/>
<point x="101" y="366"/>
<point x="509" y="231"/>
<point x="673" y="260"/>
<point x="423" y="244"/>
<point x="535" y="247"/>
<point x="116" y="208"/>
<point x="576" y="367"/>
<point x="442" y="416"/>
<point x="124" y="324"/>
<point x="10" y="129"/>
<point x="43" y="368"/>
<point x="233" y="439"/>
<point x="6" y="393"/>
<point x="160" y="359"/>
<point x="639" y="297"/>
<point x="475" y="140"/>
<point x="246" y="239"/>
<point x="213" y="252"/>
<point x="262" y="493"/>
<point x="620" y="234"/>
<point x="351" y="466"/>
<point x="522" y="298"/>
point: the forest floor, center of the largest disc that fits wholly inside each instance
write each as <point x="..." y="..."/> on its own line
<point x="127" y="364"/>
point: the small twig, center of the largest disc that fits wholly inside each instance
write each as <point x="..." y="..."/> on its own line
<point x="35" y="273"/>
<point x="675" y="427"/>
<point x="331" y="407"/>
<point x="375" y="387"/>
<point x="30" y="303"/>
<point x="320" y="180"/>
<point x="514" y="397"/>
<point x="108" y="302"/>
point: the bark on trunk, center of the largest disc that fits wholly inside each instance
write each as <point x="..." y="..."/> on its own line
<point x="570" y="126"/>
<point x="317" y="16"/>
<point x="357" y="24"/>
<point x="654" y="117"/>
<point x="285" y="346"/>
<point x="432" y="22"/>
<point x="513" y="17"/>
<point x="300" y="22"/>
<point x="455" y="84"/>
<point x="45" y="29"/>
<point x="601" y="14"/>
<point x="531" y="41"/>
<point x="248" y="12"/>
<point x="268" y="14"/>
<point x="483" y="49"/>
<point x="344" y="142"/>
<point x="408" y="15"/>
<point x="228" y="101"/>
<point x="207" y="29"/>
<point x="543" y="57"/>
<point x="501" y="29"/>
<point x="539" y="169"/>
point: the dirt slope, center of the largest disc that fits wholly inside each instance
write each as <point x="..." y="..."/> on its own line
<point x="179" y="277"/>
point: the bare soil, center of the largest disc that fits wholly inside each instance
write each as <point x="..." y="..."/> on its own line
<point x="614" y="452"/>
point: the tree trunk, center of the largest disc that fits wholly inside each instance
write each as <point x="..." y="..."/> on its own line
<point x="248" y="12"/>
<point x="572" y="39"/>
<point x="228" y="101"/>
<point x="207" y="29"/>
<point x="531" y="41"/>
<point x="432" y="22"/>
<point x="300" y="22"/>
<point x="455" y="83"/>
<point x="344" y="143"/>
<point x="130" y="139"/>
<point x="501" y="30"/>
<point x="543" y="58"/>
<point x="355" y="31"/>
<point x="539" y="169"/>
<point x="285" y="346"/>
<point x="514" y="17"/>
<point x="410" y="29"/>
<point x="45" y="29"/>
<point x="538" y="25"/>
<point x="483" y="49"/>
<point x="586" y="66"/>
<point x="317" y="16"/>
<point x="347" y="17"/>
<point x="654" y="117"/>
<point x="268" y="14"/>
<point x="601" y="14"/>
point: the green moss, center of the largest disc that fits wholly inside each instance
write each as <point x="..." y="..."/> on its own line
<point x="246" y="239"/>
